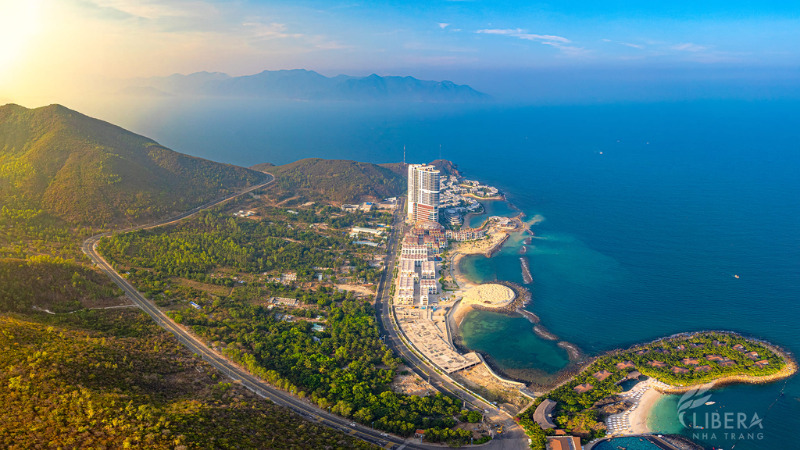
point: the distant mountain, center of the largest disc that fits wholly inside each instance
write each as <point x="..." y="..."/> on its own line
<point x="86" y="171"/>
<point x="302" y="84"/>
<point x="334" y="180"/>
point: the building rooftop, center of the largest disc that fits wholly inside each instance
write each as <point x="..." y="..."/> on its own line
<point x="602" y="375"/>
<point x="581" y="388"/>
<point x="543" y="412"/>
<point x="563" y="443"/>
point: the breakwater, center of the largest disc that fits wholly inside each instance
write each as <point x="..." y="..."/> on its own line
<point x="497" y="246"/>
<point x="526" y="269"/>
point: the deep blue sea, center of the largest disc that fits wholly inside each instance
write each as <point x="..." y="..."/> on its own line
<point x="648" y="211"/>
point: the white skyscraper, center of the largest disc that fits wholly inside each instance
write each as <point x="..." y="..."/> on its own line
<point x="423" y="193"/>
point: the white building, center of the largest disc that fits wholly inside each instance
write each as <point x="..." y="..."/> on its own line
<point x="428" y="271"/>
<point x="414" y="252"/>
<point x="373" y="231"/>
<point x="423" y="193"/>
<point x="428" y="287"/>
<point x="405" y="290"/>
<point x="407" y="268"/>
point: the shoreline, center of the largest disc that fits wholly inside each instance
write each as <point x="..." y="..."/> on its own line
<point x="640" y="416"/>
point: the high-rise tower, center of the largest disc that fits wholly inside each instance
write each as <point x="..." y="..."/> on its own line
<point x="423" y="193"/>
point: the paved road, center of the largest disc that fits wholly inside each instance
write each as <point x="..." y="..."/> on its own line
<point x="255" y="384"/>
<point x="513" y="437"/>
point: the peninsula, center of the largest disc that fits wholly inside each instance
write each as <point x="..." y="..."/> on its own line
<point x="592" y="404"/>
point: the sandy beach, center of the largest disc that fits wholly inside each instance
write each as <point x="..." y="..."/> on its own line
<point x="638" y="418"/>
<point x="643" y="397"/>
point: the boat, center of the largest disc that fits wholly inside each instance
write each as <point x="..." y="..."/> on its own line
<point x="736" y="276"/>
<point x="710" y="403"/>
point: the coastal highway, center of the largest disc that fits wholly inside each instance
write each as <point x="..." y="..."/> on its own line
<point x="253" y="383"/>
<point x="513" y="438"/>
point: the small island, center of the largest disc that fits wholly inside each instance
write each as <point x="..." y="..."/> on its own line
<point x="592" y="404"/>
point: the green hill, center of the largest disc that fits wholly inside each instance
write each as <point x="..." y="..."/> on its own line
<point x="114" y="379"/>
<point x="335" y="180"/>
<point x="86" y="171"/>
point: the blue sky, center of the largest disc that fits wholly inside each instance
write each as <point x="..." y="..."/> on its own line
<point x="502" y="45"/>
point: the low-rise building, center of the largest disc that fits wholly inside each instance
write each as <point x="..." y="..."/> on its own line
<point x="405" y="290"/>
<point x="283" y="301"/>
<point x="466" y="234"/>
<point x="428" y="270"/>
<point x="359" y="230"/>
<point x="414" y="252"/>
<point x="429" y="287"/>
<point x="563" y="443"/>
<point x="408" y="268"/>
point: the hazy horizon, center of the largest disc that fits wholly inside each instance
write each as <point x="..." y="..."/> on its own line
<point x="55" y="51"/>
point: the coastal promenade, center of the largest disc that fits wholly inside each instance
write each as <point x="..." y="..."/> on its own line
<point x="513" y="436"/>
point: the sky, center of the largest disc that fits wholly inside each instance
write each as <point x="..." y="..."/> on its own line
<point x="50" y="49"/>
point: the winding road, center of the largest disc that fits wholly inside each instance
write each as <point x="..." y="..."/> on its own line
<point x="309" y="411"/>
<point x="233" y="371"/>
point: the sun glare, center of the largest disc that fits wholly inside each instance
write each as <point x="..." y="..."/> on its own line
<point x="19" y="22"/>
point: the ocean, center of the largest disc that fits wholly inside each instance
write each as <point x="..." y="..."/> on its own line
<point x="648" y="210"/>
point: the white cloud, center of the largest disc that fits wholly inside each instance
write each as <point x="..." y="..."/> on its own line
<point x="523" y="34"/>
<point x="689" y="47"/>
<point x="559" y="42"/>
<point x="628" y="44"/>
<point x="272" y="30"/>
<point x="443" y="25"/>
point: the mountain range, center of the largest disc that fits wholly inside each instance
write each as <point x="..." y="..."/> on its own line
<point x="300" y="84"/>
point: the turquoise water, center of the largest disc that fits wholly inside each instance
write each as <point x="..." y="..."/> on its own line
<point x="489" y="332"/>
<point x="649" y="212"/>
<point x="630" y="443"/>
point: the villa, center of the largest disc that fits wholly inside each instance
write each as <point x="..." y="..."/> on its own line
<point x="583" y="388"/>
<point x="626" y="365"/>
<point x="602" y="375"/>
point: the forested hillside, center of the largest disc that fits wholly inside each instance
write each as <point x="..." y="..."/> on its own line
<point x="334" y="180"/>
<point x="60" y="163"/>
<point x="52" y="284"/>
<point x="116" y="380"/>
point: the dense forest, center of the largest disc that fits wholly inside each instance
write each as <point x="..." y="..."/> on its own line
<point x="99" y="379"/>
<point x="345" y="367"/>
<point x="63" y="164"/>
<point x="333" y="180"/>
<point x="52" y="283"/>
<point x="212" y="246"/>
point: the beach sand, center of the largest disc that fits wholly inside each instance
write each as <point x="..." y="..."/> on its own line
<point x="638" y="418"/>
